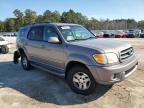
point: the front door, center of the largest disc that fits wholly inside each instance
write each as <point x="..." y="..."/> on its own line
<point x="52" y="54"/>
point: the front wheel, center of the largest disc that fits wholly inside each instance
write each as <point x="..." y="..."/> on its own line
<point x="81" y="80"/>
<point x="25" y="62"/>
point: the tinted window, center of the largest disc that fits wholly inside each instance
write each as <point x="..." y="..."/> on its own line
<point x="49" y="32"/>
<point x="36" y="33"/>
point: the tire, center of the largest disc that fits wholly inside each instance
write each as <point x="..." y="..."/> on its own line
<point x="4" y="49"/>
<point x="25" y="62"/>
<point x="75" y="84"/>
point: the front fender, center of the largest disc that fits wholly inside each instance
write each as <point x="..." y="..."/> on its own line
<point x="80" y="58"/>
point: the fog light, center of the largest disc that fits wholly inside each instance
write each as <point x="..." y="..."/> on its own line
<point x="116" y="76"/>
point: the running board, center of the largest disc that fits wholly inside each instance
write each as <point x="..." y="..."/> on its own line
<point x="49" y="70"/>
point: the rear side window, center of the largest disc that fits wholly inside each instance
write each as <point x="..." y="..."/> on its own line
<point x="22" y="32"/>
<point x="36" y="33"/>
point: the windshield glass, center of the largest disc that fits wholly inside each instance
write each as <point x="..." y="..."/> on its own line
<point x="1" y="39"/>
<point x="75" y="32"/>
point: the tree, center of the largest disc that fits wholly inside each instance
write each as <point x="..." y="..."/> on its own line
<point x="73" y="17"/>
<point x="131" y="24"/>
<point x="1" y="26"/>
<point x="141" y="24"/>
<point x="10" y="25"/>
<point x="30" y="16"/>
<point x="39" y="18"/>
<point x="19" y="18"/>
<point x="92" y="24"/>
<point x="51" y="16"/>
<point x="18" y="13"/>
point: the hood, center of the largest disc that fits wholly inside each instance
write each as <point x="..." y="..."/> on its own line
<point x="106" y="45"/>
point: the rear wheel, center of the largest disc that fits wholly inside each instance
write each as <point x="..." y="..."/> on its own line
<point x="25" y="62"/>
<point x="4" y="49"/>
<point x="81" y="81"/>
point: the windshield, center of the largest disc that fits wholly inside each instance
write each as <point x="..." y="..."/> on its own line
<point x="1" y="39"/>
<point x="75" y="32"/>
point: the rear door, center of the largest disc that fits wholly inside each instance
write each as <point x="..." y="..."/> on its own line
<point x="33" y="43"/>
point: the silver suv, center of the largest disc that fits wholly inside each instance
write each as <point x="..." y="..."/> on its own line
<point x="72" y="52"/>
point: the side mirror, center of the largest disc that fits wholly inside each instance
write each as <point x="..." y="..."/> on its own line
<point x="53" y="40"/>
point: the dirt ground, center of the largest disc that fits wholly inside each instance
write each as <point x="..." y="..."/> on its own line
<point x="38" y="89"/>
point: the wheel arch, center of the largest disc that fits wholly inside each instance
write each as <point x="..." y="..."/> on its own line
<point x="23" y="51"/>
<point x="72" y="64"/>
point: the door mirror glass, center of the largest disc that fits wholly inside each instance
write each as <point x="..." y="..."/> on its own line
<point x="53" y="40"/>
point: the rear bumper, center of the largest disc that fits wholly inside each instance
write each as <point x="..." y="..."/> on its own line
<point x="113" y="74"/>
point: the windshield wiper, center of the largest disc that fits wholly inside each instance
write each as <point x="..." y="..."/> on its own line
<point x="91" y="38"/>
<point x="77" y="40"/>
<point x="82" y="39"/>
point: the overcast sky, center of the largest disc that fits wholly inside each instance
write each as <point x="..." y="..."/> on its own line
<point x="100" y="9"/>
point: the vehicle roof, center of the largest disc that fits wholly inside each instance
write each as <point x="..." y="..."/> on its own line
<point x="62" y="24"/>
<point x="46" y="23"/>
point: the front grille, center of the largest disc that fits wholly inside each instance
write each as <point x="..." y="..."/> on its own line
<point x="125" y="54"/>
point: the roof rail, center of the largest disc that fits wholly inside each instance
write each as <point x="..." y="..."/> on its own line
<point x="37" y="23"/>
<point x="42" y="22"/>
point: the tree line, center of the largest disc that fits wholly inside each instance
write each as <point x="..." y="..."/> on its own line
<point x="29" y="16"/>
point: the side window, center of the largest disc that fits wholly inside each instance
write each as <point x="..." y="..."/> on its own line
<point x="49" y="32"/>
<point x="36" y="33"/>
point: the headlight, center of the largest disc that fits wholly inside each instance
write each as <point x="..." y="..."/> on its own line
<point x="112" y="58"/>
<point x="107" y="58"/>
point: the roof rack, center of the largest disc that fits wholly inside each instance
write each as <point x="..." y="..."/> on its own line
<point x="37" y="23"/>
<point x="42" y="22"/>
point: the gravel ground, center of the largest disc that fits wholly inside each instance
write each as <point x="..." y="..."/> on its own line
<point x="38" y="89"/>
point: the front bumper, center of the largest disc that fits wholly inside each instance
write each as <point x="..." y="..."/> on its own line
<point x="113" y="74"/>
